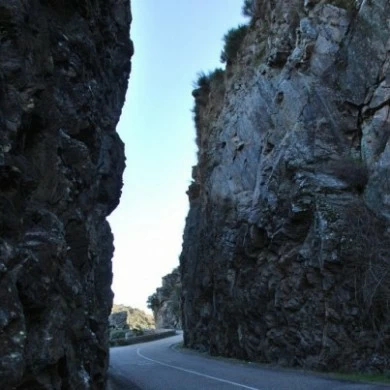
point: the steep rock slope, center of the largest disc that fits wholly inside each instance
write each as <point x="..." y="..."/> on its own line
<point x="286" y="247"/>
<point x="64" y="67"/>
<point x="131" y="318"/>
<point x="166" y="302"/>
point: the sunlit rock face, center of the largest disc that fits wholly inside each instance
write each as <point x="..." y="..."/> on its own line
<point x="286" y="247"/>
<point x="64" y="67"/>
<point x="166" y="302"/>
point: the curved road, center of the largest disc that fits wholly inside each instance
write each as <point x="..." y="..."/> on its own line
<point x="157" y="365"/>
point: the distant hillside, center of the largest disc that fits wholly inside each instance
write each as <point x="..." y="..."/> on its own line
<point x="126" y="316"/>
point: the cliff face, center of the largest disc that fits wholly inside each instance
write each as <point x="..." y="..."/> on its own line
<point x="126" y="317"/>
<point x="166" y="302"/>
<point x="285" y="255"/>
<point x="64" y="67"/>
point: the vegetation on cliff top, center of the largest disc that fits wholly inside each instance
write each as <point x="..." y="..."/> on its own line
<point x="204" y="81"/>
<point x="232" y="43"/>
<point x="233" y="40"/>
<point x="343" y="240"/>
<point x="249" y="8"/>
<point x="136" y="318"/>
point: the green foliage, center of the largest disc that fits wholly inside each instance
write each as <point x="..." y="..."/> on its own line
<point x="233" y="40"/>
<point x="363" y="377"/>
<point x="153" y="301"/>
<point x="248" y="8"/>
<point x="136" y="318"/>
<point x="216" y="75"/>
<point x="204" y="80"/>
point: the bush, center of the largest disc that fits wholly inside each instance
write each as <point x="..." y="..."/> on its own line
<point x="233" y="40"/>
<point x="217" y="75"/>
<point x="248" y="8"/>
<point x="132" y="317"/>
<point x="204" y="80"/>
<point x="153" y="301"/>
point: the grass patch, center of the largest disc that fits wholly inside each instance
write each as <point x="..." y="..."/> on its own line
<point x="356" y="377"/>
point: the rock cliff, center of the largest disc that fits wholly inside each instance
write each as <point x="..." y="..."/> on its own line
<point x="64" y="67"/>
<point x="126" y="317"/>
<point x="166" y="302"/>
<point x="286" y="246"/>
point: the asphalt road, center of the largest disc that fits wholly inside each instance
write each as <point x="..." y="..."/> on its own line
<point x="158" y="365"/>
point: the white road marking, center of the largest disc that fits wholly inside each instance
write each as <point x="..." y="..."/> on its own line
<point x="196" y="372"/>
<point x="145" y="364"/>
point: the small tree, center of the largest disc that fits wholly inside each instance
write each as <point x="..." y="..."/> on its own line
<point x="153" y="302"/>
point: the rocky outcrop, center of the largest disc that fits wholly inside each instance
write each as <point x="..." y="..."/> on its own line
<point x="285" y="255"/>
<point x="166" y="302"/>
<point x="126" y="317"/>
<point x="64" y="67"/>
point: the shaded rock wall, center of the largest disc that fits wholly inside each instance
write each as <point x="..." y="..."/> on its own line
<point x="64" y="67"/>
<point x="285" y="255"/>
<point x="166" y="302"/>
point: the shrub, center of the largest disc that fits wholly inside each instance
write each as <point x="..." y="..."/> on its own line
<point x="153" y="301"/>
<point x="233" y="40"/>
<point x="132" y="317"/>
<point x="204" y="80"/>
<point x="248" y="8"/>
<point x="216" y="76"/>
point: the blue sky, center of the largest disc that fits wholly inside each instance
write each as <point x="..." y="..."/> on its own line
<point x="174" y="40"/>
